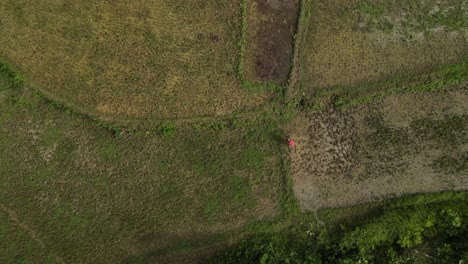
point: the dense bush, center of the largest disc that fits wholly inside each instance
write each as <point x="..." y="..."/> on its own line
<point x="422" y="230"/>
<point x="271" y="248"/>
<point x="14" y="79"/>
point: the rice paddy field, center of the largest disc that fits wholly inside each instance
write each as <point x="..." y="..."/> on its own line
<point x="155" y="131"/>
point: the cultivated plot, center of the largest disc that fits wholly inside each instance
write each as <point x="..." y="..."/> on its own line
<point x="406" y="143"/>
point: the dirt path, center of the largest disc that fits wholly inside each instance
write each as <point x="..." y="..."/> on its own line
<point x="293" y="90"/>
<point x="402" y="144"/>
<point x="14" y="218"/>
<point x="31" y="233"/>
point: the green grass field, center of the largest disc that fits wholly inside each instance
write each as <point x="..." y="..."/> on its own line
<point x="89" y="195"/>
<point x="154" y="131"/>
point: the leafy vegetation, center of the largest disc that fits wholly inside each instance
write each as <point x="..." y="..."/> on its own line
<point x="166" y="130"/>
<point x="429" y="228"/>
<point x="11" y="78"/>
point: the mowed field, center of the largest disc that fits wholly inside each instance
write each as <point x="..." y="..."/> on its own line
<point x="124" y="60"/>
<point x="359" y="41"/>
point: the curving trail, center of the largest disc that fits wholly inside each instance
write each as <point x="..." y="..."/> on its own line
<point x="14" y="218"/>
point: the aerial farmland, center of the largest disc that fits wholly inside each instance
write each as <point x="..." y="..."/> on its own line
<point x="233" y="131"/>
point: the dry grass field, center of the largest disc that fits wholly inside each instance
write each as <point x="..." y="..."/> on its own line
<point x="131" y="60"/>
<point x="379" y="121"/>
<point x="359" y="41"/>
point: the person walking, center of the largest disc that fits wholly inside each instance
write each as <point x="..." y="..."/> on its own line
<point x="291" y="143"/>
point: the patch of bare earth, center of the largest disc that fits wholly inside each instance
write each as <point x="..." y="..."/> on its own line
<point x="271" y="25"/>
<point x="402" y="144"/>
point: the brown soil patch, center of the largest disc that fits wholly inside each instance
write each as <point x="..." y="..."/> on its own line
<point x="324" y="150"/>
<point x="388" y="148"/>
<point x="270" y="27"/>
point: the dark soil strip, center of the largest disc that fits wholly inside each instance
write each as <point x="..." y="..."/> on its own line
<point x="271" y="25"/>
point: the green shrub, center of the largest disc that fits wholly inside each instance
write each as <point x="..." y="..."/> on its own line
<point x="451" y="221"/>
<point x="236" y="123"/>
<point x="270" y="249"/>
<point x="15" y="80"/>
<point x="338" y="101"/>
<point x="217" y="126"/>
<point x="20" y="101"/>
<point x="166" y="130"/>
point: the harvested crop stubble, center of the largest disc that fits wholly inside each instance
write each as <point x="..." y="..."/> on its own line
<point x="346" y="47"/>
<point x="131" y="60"/>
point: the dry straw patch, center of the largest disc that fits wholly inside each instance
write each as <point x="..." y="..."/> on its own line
<point x="134" y="59"/>
<point x="355" y="42"/>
